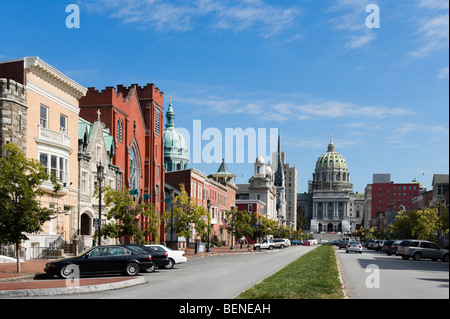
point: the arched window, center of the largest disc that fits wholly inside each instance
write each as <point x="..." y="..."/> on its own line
<point x="133" y="170"/>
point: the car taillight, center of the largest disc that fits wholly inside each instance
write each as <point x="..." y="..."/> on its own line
<point x="359" y="246"/>
<point x="392" y="247"/>
<point x="167" y="255"/>
<point x="150" y="257"/>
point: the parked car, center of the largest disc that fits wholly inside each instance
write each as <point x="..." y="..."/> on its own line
<point x="335" y="242"/>
<point x="306" y="243"/>
<point x="353" y="246"/>
<point x="266" y="244"/>
<point x="296" y="242"/>
<point x="390" y="246"/>
<point x="370" y="244"/>
<point x="343" y="243"/>
<point x="280" y="243"/>
<point x="378" y="246"/>
<point x="418" y="249"/>
<point x="160" y="259"/>
<point x="175" y="256"/>
<point x="102" y="260"/>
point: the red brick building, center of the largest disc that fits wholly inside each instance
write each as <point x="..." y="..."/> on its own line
<point x="134" y="117"/>
<point x="391" y="197"/>
<point x="200" y="188"/>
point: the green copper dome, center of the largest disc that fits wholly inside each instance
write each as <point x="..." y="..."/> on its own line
<point x="175" y="147"/>
<point x="331" y="159"/>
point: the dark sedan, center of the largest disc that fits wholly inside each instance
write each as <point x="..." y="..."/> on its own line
<point x="161" y="259"/>
<point x="343" y="244"/>
<point x="102" y="260"/>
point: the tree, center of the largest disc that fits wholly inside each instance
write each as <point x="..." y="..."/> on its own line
<point x="239" y="224"/>
<point x="20" y="210"/>
<point x="186" y="213"/>
<point x="428" y="224"/>
<point x="127" y="214"/>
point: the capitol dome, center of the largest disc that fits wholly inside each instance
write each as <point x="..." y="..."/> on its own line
<point x="176" y="155"/>
<point x="331" y="167"/>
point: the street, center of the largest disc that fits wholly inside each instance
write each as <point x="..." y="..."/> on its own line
<point x="374" y="275"/>
<point x="214" y="277"/>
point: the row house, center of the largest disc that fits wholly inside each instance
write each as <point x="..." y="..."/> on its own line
<point x="216" y="188"/>
<point x="47" y="119"/>
<point x="71" y="129"/>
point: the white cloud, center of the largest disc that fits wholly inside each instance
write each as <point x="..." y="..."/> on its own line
<point x="443" y="73"/>
<point x="432" y="28"/>
<point x="178" y="15"/>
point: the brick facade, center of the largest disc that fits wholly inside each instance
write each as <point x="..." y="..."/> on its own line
<point x="134" y="117"/>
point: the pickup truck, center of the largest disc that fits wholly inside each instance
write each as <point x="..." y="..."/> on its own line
<point x="266" y="244"/>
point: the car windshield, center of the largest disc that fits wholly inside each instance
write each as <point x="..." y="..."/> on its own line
<point x="354" y="243"/>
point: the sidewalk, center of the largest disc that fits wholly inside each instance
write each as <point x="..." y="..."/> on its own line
<point x="32" y="281"/>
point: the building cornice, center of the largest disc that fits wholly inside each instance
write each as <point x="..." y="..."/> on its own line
<point x="42" y="69"/>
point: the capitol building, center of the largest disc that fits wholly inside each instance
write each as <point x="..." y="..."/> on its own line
<point x="333" y="205"/>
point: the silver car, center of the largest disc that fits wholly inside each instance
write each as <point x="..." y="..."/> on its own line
<point x="418" y="249"/>
<point x="354" y="246"/>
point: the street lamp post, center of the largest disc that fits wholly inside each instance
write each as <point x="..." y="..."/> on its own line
<point x="208" y="205"/>
<point x="100" y="177"/>
<point x="233" y="208"/>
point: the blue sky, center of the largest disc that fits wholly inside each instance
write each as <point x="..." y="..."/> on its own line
<point x="311" y="68"/>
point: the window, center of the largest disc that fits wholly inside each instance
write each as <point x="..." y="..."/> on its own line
<point x="157" y="121"/>
<point x="250" y="208"/>
<point x="133" y="170"/>
<point x="57" y="166"/>
<point x="44" y="116"/>
<point x="62" y="123"/>
<point x="119" y="130"/>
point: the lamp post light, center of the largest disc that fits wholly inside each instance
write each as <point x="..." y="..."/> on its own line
<point x="208" y="205"/>
<point x="233" y="209"/>
<point x="100" y="177"/>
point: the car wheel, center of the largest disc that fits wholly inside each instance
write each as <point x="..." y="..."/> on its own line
<point x="445" y="258"/>
<point x="417" y="256"/>
<point x="132" y="269"/>
<point x="346" y="251"/>
<point x="152" y="267"/>
<point x="360" y="252"/>
<point x="171" y="264"/>
<point x="271" y="247"/>
<point x="65" y="272"/>
<point x="282" y="246"/>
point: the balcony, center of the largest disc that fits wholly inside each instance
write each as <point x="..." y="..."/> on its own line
<point x="53" y="138"/>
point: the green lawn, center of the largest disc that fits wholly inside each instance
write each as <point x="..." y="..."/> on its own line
<point x="312" y="276"/>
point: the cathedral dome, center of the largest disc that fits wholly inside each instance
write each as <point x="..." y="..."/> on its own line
<point x="175" y="147"/>
<point x="331" y="159"/>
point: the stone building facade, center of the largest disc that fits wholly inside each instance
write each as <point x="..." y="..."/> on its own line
<point x="13" y="114"/>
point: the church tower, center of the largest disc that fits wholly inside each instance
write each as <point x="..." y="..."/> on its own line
<point x="175" y="148"/>
<point x="280" y="184"/>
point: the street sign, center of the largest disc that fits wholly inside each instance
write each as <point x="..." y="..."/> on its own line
<point x="96" y="223"/>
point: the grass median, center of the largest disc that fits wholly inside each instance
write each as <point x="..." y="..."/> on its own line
<point x="312" y="276"/>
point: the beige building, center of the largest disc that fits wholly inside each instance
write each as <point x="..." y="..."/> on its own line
<point x="51" y="137"/>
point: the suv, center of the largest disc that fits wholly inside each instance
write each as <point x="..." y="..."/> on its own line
<point x="266" y="244"/>
<point x="418" y="249"/>
<point x="280" y="243"/>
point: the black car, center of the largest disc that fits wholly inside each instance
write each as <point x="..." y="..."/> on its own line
<point x="343" y="244"/>
<point x="102" y="260"/>
<point x="390" y="247"/>
<point x="161" y="259"/>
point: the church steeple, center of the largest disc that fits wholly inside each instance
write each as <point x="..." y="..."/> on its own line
<point x="279" y="173"/>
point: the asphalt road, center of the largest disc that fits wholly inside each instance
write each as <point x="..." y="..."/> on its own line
<point x="213" y="277"/>
<point x="374" y="275"/>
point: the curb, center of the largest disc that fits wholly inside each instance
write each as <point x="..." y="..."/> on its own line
<point x="341" y="278"/>
<point x="72" y="290"/>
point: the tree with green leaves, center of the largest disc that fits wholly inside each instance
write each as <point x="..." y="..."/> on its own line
<point x="186" y="213"/>
<point x="124" y="215"/>
<point x="20" y="210"/>
<point x="239" y="223"/>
